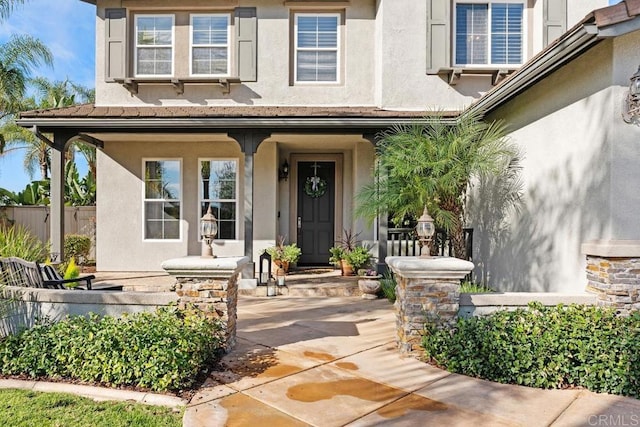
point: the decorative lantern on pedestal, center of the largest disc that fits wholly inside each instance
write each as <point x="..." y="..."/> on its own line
<point x="425" y="230"/>
<point x="208" y="230"/>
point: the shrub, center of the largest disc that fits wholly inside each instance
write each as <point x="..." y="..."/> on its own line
<point x="546" y="347"/>
<point x="72" y="271"/>
<point x="18" y="242"/>
<point x="388" y="286"/>
<point x="164" y="350"/>
<point x="474" y="288"/>
<point x="77" y="246"/>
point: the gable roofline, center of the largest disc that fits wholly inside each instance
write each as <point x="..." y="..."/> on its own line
<point x="607" y="22"/>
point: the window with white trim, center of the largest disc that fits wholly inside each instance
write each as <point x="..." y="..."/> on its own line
<point x="154" y="45"/>
<point x="316" y="47"/>
<point x="489" y="33"/>
<point x="162" y="199"/>
<point x="218" y="188"/>
<point x="210" y="44"/>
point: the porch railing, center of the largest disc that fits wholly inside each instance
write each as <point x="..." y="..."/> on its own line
<point x="404" y="242"/>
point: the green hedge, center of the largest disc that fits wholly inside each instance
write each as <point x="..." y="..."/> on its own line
<point x="164" y="350"/>
<point x="77" y="246"/>
<point x="546" y="347"/>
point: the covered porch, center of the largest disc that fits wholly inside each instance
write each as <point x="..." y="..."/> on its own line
<point x="261" y="139"/>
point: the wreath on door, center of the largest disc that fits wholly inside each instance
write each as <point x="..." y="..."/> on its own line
<point x="315" y="187"/>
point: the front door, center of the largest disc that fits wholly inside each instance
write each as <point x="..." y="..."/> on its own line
<point x="316" y="211"/>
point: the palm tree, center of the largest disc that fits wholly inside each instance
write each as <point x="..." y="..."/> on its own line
<point x="433" y="164"/>
<point x="18" y="57"/>
<point x="8" y="6"/>
<point x="49" y="95"/>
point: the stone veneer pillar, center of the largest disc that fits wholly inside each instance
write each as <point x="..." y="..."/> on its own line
<point x="613" y="273"/>
<point x="428" y="289"/>
<point x="210" y="284"/>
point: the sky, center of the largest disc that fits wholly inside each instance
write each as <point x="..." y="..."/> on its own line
<point x="67" y="27"/>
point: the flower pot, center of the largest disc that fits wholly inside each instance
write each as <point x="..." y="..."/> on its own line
<point x="281" y="265"/>
<point x="369" y="288"/>
<point x="346" y="268"/>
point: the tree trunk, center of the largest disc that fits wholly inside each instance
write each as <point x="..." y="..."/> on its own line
<point x="456" y="234"/>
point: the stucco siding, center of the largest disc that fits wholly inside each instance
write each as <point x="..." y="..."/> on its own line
<point x="563" y="127"/>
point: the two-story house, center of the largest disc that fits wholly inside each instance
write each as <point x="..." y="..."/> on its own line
<point x="267" y="111"/>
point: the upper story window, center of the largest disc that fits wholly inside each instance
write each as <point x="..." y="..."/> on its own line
<point x="162" y="199"/>
<point x="210" y="44"/>
<point x="489" y="33"/>
<point x="154" y="45"/>
<point x="316" y="47"/>
<point x="218" y="189"/>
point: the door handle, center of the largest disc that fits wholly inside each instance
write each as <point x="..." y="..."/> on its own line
<point x="299" y="223"/>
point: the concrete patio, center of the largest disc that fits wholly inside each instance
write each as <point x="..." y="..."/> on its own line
<point x="333" y="362"/>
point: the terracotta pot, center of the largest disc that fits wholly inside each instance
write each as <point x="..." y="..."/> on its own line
<point x="346" y="268"/>
<point x="281" y="265"/>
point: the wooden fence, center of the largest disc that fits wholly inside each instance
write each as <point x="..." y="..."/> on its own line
<point x="77" y="220"/>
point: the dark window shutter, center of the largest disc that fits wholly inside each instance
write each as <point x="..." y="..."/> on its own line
<point x="115" y="22"/>
<point x="438" y="35"/>
<point x="555" y="19"/>
<point x="246" y="23"/>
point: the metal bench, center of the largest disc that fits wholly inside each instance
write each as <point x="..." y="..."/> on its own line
<point x="18" y="272"/>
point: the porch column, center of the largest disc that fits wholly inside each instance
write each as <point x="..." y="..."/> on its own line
<point x="249" y="142"/>
<point x="383" y="225"/>
<point x="56" y="208"/>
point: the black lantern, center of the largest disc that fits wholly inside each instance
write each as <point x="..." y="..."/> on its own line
<point x="264" y="270"/>
<point x="283" y="172"/>
<point x="208" y="230"/>
<point x="425" y="230"/>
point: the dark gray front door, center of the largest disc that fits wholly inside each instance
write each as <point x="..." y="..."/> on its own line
<point x="316" y="210"/>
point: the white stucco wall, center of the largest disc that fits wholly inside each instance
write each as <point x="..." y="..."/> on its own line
<point x="120" y="243"/>
<point x="564" y="126"/>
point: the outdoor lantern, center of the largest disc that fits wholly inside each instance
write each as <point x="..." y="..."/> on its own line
<point x="425" y="230"/>
<point x="631" y="110"/>
<point x="284" y="171"/>
<point x="280" y="275"/>
<point x="208" y="230"/>
<point x="264" y="270"/>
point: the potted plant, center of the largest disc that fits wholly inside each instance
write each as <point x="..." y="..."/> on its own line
<point x="348" y="254"/>
<point x="284" y="255"/>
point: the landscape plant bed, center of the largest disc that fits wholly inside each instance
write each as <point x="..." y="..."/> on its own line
<point x="167" y="350"/>
<point x="545" y="347"/>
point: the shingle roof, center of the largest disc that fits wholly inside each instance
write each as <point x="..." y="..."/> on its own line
<point x="182" y="112"/>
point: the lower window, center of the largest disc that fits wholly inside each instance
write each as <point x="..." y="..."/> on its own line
<point x="162" y="199"/>
<point x="218" y="189"/>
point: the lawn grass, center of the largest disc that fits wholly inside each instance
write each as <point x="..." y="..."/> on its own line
<point x="28" y="408"/>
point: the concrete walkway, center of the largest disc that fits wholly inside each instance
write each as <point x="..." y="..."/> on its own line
<point x="333" y="362"/>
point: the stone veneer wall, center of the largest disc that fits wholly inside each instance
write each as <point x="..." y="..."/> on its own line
<point x="210" y="284"/>
<point x="421" y="300"/>
<point x="428" y="290"/>
<point x="615" y="282"/>
<point x="218" y="298"/>
<point x="613" y="273"/>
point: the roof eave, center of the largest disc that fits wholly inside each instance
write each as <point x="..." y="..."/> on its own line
<point x="199" y="124"/>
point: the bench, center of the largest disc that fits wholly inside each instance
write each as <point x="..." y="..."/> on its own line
<point x="18" y="272"/>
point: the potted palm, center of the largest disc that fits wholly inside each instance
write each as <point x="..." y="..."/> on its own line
<point x="283" y="255"/>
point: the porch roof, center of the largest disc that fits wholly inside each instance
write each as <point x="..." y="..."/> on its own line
<point x="173" y="118"/>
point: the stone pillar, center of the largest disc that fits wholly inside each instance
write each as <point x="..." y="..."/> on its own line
<point x="210" y="284"/>
<point x="428" y="290"/>
<point x="613" y="273"/>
